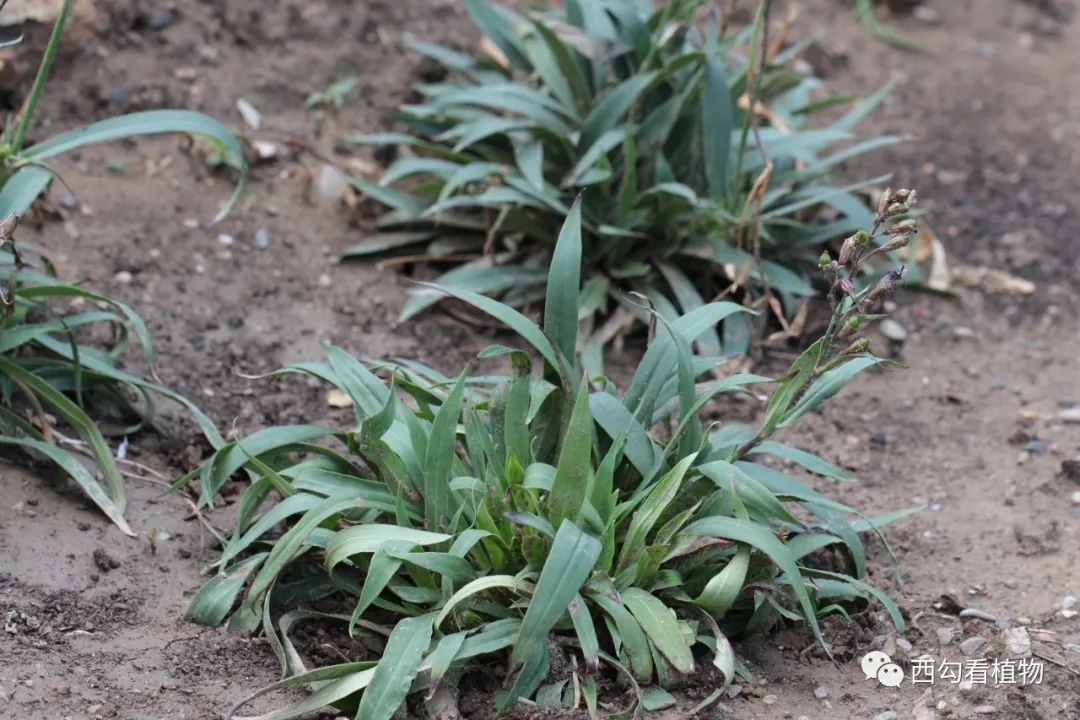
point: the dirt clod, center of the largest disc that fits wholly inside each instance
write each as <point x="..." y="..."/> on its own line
<point x="104" y="561"/>
<point x="1070" y="470"/>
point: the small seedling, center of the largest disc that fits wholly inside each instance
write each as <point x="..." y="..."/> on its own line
<point x="156" y="536"/>
<point x="336" y="95"/>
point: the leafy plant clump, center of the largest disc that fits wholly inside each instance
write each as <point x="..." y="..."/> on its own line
<point x="47" y="373"/>
<point x="688" y="195"/>
<point x="493" y="523"/>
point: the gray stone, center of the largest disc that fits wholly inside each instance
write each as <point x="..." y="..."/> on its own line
<point x="1070" y="415"/>
<point x="248" y="112"/>
<point x="161" y="20"/>
<point x="1018" y="642"/>
<point x="331" y="183"/>
<point x="945" y="635"/>
<point x="972" y="645"/>
<point x="821" y="692"/>
<point x="893" y="330"/>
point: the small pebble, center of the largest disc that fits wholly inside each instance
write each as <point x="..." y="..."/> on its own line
<point x="972" y="645"/>
<point x="893" y="330"/>
<point x="331" y="183"/>
<point x="878" y="439"/>
<point x="225" y="239"/>
<point x="904" y="644"/>
<point x="265" y="150"/>
<point x="821" y="692"/>
<point x="1068" y="602"/>
<point x="769" y="699"/>
<point x="1072" y="648"/>
<point x="927" y="15"/>
<point x="248" y="112"/>
<point x="68" y="201"/>
<point x="325" y="280"/>
<point x="945" y="635"/>
<point x="1018" y="642"/>
<point x="1070" y="415"/>
<point x="1036" y="447"/>
<point x="887" y="715"/>
<point x="977" y="614"/>
<point x="262" y="239"/>
<point x="123" y="277"/>
<point x="1075" y="498"/>
<point x="161" y="20"/>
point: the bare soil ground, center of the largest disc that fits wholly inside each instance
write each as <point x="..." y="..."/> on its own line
<point x="972" y="428"/>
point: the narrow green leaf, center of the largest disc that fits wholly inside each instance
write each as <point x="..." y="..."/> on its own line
<point x="717" y="123"/>
<point x="652" y="507"/>
<point x="215" y="599"/>
<point x="768" y="543"/>
<point x="512" y="319"/>
<point x="662" y="627"/>
<point x="78" y="472"/>
<point x="497" y="23"/>
<point x="150" y="122"/>
<point x="563" y="287"/>
<point x="397" y="668"/>
<point x="440" y="456"/>
<point x="826" y="386"/>
<point x="571" y="484"/>
<point x="609" y="112"/>
<point x="586" y="633"/>
<point x="633" y="637"/>
<point x="568" y="565"/>
<point x="87" y="430"/>
<point x="367" y="538"/>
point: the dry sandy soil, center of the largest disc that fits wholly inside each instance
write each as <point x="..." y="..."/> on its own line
<point x="972" y="428"/>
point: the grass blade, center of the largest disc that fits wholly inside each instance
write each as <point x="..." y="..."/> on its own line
<point x="568" y="566"/>
<point x="397" y="668"/>
<point x="563" y="286"/>
<point x="571" y="484"/>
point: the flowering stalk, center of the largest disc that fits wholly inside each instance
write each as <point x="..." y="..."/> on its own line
<point x="850" y="309"/>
